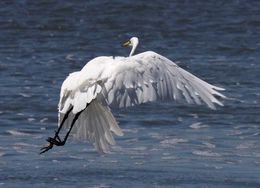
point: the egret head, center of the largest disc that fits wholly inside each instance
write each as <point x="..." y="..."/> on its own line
<point x="132" y="42"/>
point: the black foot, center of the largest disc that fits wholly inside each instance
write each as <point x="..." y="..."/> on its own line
<point x="52" y="141"/>
<point x="46" y="148"/>
<point x="56" y="141"/>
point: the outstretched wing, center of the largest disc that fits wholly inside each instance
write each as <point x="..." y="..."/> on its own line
<point x="149" y="77"/>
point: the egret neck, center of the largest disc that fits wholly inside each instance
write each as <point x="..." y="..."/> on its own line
<point x="134" y="43"/>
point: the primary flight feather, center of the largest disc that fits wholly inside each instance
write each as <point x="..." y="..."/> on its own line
<point x="86" y="95"/>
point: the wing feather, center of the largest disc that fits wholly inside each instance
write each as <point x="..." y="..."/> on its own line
<point x="149" y="77"/>
<point x="96" y="124"/>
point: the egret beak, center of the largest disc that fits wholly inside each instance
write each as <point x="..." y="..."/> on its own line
<point x="126" y="44"/>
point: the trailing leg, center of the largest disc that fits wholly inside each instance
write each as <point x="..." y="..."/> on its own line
<point x="56" y="139"/>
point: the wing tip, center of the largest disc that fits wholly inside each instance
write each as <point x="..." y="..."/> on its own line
<point x="218" y="88"/>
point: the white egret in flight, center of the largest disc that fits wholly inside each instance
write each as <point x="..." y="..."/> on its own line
<point x="105" y="81"/>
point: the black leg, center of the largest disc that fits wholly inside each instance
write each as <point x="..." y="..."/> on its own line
<point x="50" y="139"/>
<point x="61" y="143"/>
<point x="63" y="120"/>
<point x="56" y="139"/>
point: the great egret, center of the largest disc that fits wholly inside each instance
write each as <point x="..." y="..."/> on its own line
<point x="104" y="81"/>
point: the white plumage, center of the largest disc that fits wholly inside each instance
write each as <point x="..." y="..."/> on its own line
<point x="122" y="82"/>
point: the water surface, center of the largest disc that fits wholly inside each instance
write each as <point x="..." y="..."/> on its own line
<point x="165" y="144"/>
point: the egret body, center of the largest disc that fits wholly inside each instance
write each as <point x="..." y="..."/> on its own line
<point x="87" y="95"/>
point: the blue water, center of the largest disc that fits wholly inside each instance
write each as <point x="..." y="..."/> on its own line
<point x="165" y="144"/>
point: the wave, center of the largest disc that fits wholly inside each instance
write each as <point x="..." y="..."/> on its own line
<point x="17" y="133"/>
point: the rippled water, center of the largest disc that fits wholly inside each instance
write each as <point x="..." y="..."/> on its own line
<point x="165" y="144"/>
